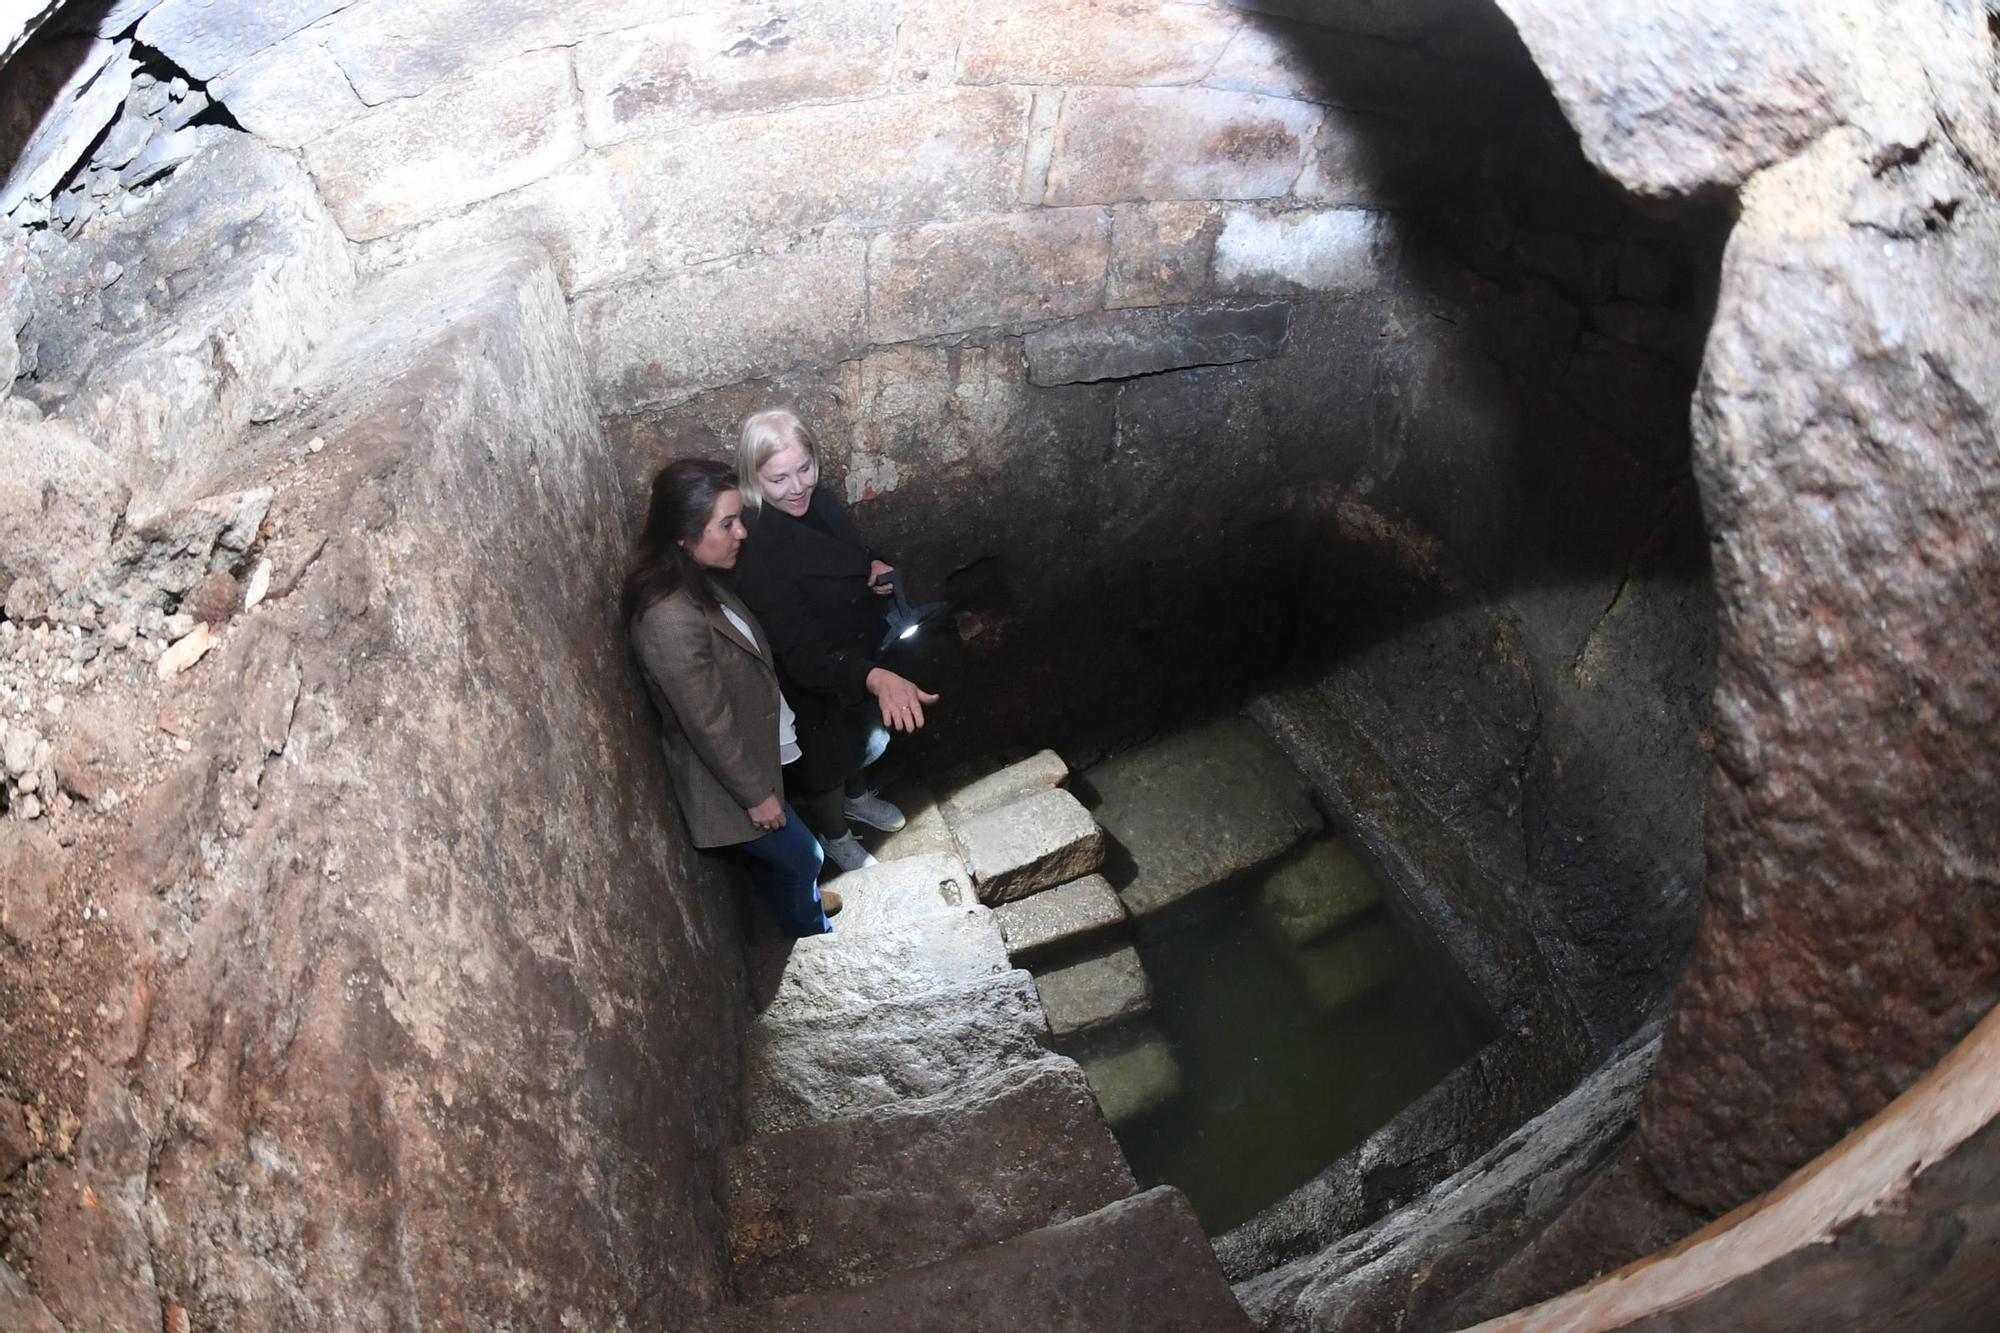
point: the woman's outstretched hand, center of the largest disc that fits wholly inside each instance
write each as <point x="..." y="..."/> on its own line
<point x="876" y="569"/>
<point x="901" y="701"/>
<point x="768" y="814"/>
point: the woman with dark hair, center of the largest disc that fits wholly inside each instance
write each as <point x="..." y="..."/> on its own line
<point x="708" y="667"/>
<point x="820" y="589"/>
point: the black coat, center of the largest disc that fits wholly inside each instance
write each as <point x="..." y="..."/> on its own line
<point x="809" y="590"/>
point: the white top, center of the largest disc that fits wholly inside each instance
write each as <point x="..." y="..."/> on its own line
<point x="788" y="723"/>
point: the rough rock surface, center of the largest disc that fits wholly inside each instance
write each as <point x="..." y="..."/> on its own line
<point x="60" y="501"/>
<point x="1139" y="1263"/>
<point x="853" y="1200"/>
<point x="850" y="968"/>
<point x="325" y="951"/>
<point x="1121" y="344"/>
<point x="908" y="888"/>
<point x="1197" y="808"/>
<point x="838" y="1062"/>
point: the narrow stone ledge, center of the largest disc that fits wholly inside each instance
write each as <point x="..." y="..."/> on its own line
<point x="1031" y="845"/>
<point x="1095" y="992"/>
<point x="1038" y="772"/>
<point x="1119" y="344"/>
<point x="1059" y="918"/>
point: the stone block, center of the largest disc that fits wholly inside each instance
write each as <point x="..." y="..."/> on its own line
<point x="1119" y="144"/>
<point x="1332" y="250"/>
<point x="1030" y="845"/>
<point x="925" y="832"/>
<point x="826" y="974"/>
<point x="819" y="1067"/>
<point x="952" y="276"/>
<point x="1121" y="344"/>
<point x="1038" y="772"/>
<point x="657" y="342"/>
<point x="1095" y="42"/>
<point x="1198" y="808"/>
<point x="207" y="39"/>
<point x="733" y="62"/>
<point x="60" y="501"/>
<point x="1133" y="1075"/>
<point x="59" y="100"/>
<point x="1095" y="992"/>
<point x="1058" y="919"/>
<point x="291" y="93"/>
<point x="756" y="181"/>
<point x="577" y="214"/>
<point x="1140" y="1259"/>
<point x="810" y="1208"/>
<point x="1317" y="894"/>
<point x="1161" y="253"/>
<point x="892" y="892"/>
<point x="1342" y="969"/>
<point x="415" y="159"/>
<point x="1363" y="160"/>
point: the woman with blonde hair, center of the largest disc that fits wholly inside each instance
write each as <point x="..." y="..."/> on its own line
<point x="817" y="588"/>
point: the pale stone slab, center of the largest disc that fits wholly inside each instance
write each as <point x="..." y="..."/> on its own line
<point x="1318" y="893"/>
<point x="1095" y="992"/>
<point x="1120" y="144"/>
<point x="732" y="62"/>
<point x="38" y="150"/>
<point x="892" y="892"/>
<point x="721" y="189"/>
<point x="1030" y="845"/>
<point x="852" y="969"/>
<point x="1059" y="918"/>
<point x="291" y="93"/>
<point x="1341" y="970"/>
<point x="1362" y="160"/>
<point x="416" y="159"/>
<point x="1132" y="1077"/>
<point x="1097" y="42"/>
<point x="659" y="342"/>
<point x="1038" y="772"/>
<point x="207" y="39"/>
<point x="1161" y="253"/>
<point x="953" y="276"/>
<point x="1120" y="344"/>
<point x="1198" y="808"/>
<point x="577" y="214"/>
<point x="924" y="833"/>
<point x="1309" y="250"/>
<point x="814" y="1068"/>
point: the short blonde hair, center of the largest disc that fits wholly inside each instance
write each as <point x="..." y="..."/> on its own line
<point x="764" y="434"/>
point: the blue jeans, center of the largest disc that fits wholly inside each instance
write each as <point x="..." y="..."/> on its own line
<point x="786" y="864"/>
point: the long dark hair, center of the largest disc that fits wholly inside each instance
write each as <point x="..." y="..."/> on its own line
<point x="684" y="496"/>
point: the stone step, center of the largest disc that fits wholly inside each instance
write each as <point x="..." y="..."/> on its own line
<point x="1095" y="991"/>
<point x="1316" y="894"/>
<point x="1342" y="969"/>
<point x="891" y="893"/>
<point x="925" y="834"/>
<point x="1016" y="782"/>
<point x="856" y="968"/>
<point x="1029" y="845"/>
<point x="1198" y="808"/>
<point x="855" y="1199"/>
<point x="1060" y="919"/>
<point x="809" y="1070"/>
<point x="1133" y="1072"/>
<point x="1139" y="1265"/>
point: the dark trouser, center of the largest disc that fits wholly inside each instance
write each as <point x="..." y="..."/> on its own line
<point x="826" y="811"/>
<point x="786" y="864"/>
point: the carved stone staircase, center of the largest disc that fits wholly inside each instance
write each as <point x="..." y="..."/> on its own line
<point x="919" y="1158"/>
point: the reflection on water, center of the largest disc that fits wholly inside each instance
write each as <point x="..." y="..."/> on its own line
<point x="1299" y="1017"/>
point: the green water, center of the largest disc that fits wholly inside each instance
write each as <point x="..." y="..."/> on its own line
<point x="1288" y="1056"/>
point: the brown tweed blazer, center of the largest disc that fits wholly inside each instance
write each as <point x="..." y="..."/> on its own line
<point x="718" y="696"/>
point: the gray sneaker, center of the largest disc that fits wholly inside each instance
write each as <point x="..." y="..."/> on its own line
<point x="872" y="810"/>
<point x="847" y="852"/>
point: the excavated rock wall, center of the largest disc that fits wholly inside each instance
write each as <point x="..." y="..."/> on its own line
<point x="358" y="973"/>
